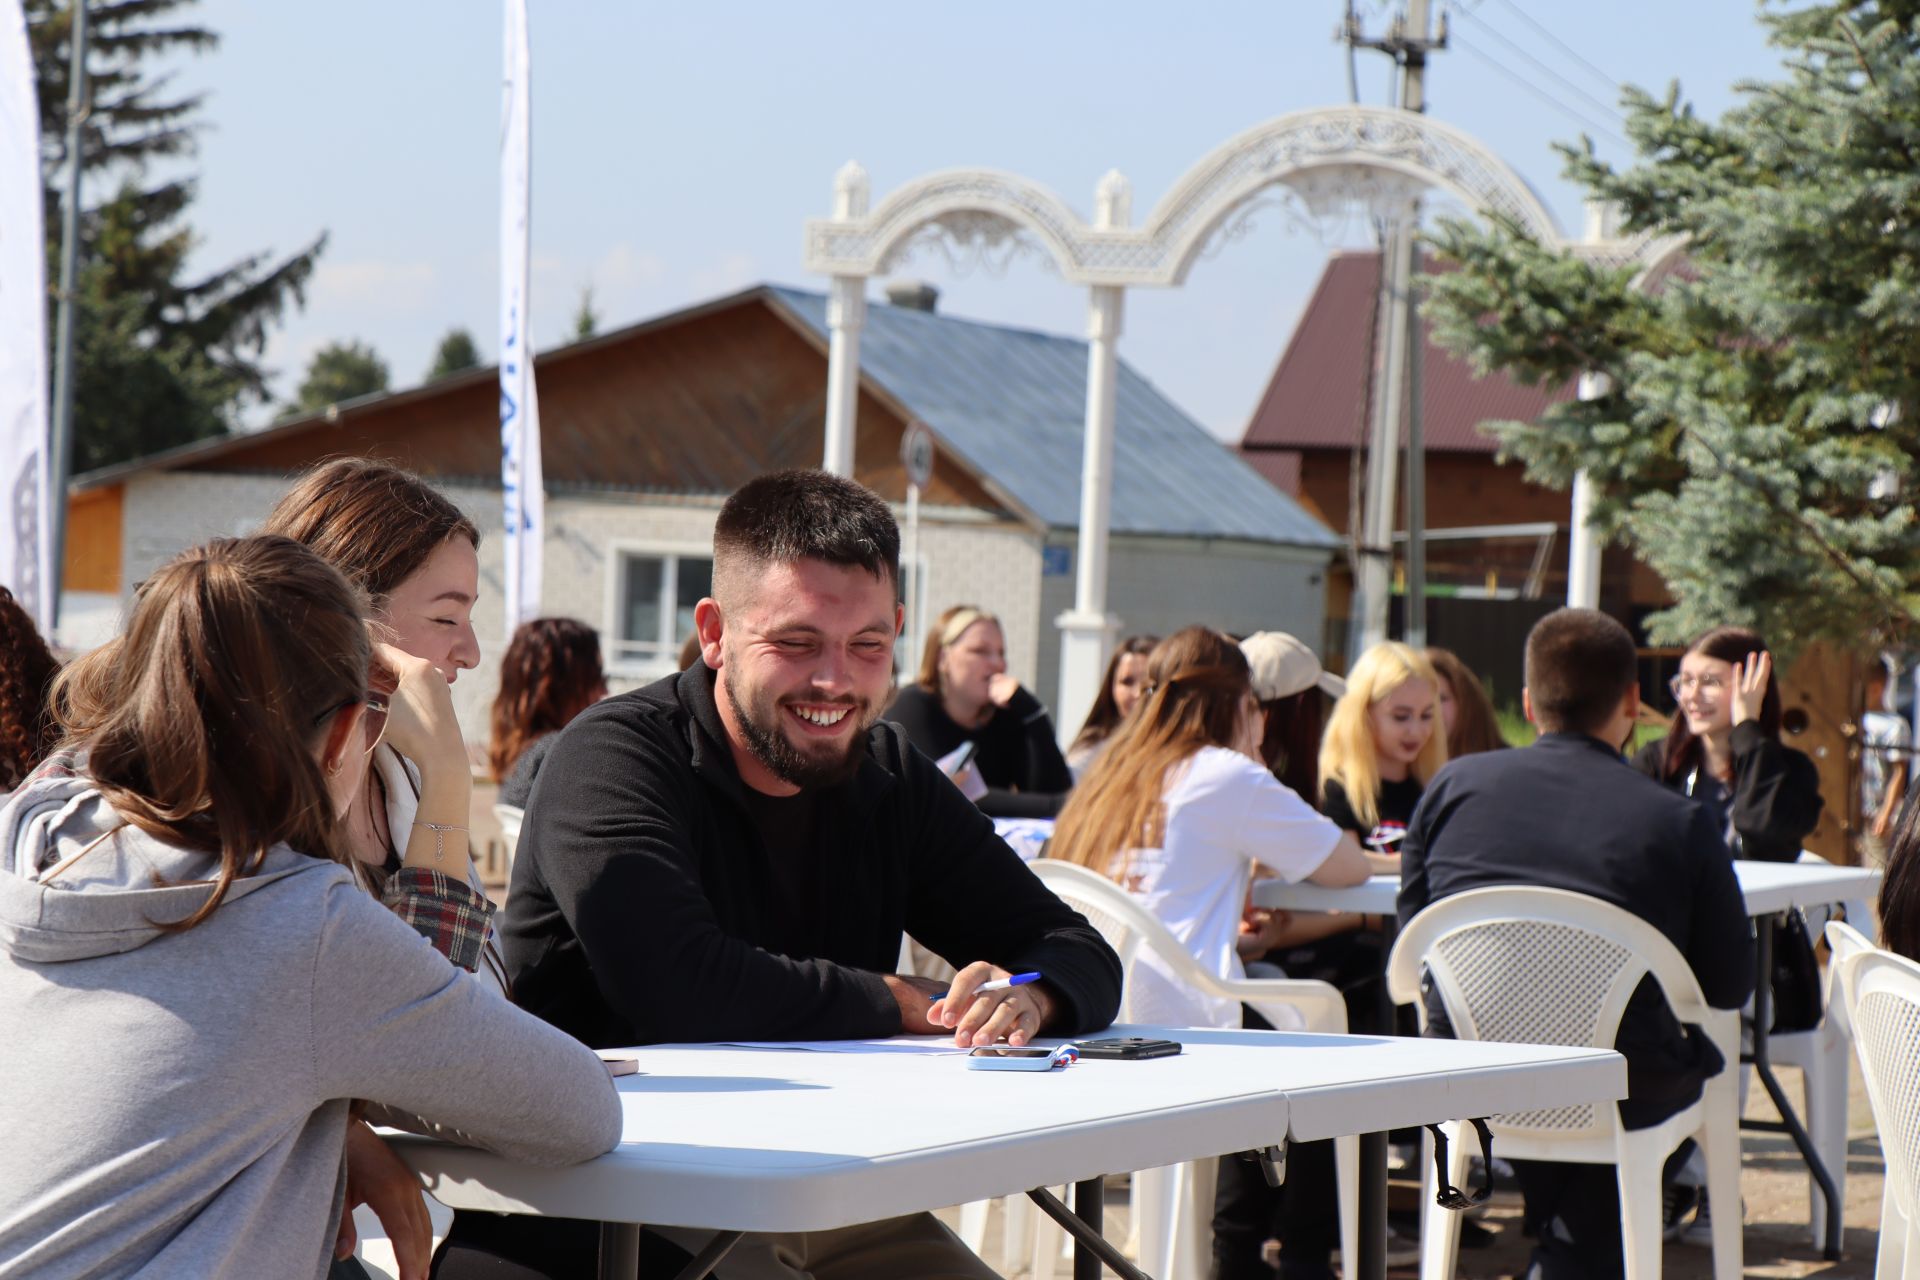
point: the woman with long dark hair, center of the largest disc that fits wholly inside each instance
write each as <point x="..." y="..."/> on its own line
<point x="1466" y="712"/>
<point x="27" y="670"/>
<point x="1723" y="748"/>
<point x="551" y="673"/>
<point x="1120" y="688"/>
<point x="208" y="990"/>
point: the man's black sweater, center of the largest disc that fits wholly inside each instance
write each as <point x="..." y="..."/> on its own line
<point x="644" y="908"/>
<point x="1569" y="813"/>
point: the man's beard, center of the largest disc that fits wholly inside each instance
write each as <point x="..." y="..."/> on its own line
<point x="762" y="727"/>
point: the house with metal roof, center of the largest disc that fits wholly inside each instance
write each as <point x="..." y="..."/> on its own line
<point x="646" y="429"/>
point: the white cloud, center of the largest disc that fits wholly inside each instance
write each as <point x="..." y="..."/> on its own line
<point x="401" y="285"/>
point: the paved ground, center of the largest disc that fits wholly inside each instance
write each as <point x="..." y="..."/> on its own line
<point x="1774" y="1183"/>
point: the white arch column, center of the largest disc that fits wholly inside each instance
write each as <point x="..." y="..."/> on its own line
<point x="846" y="315"/>
<point x="1583" y="548"/>
<point x="1087" y="630"/>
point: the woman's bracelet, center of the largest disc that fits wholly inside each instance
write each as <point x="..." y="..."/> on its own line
<point x="440" y="830"/>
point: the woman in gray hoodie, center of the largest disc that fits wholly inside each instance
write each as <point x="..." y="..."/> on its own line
<point x="194" y="988"/>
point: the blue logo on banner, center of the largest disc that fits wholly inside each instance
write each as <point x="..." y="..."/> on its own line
<point x="1056" y="562"/>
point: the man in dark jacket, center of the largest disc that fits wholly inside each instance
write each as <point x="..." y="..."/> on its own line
<point x="1569" y="813"/>
<point x="735" y="852"/>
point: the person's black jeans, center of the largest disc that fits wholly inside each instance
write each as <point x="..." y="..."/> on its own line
<point x="504" y="1246"/>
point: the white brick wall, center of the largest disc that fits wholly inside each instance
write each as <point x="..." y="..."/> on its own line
<point x="1156" y="585"/>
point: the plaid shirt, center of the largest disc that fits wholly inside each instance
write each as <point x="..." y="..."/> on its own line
<point x="449" y="913"/>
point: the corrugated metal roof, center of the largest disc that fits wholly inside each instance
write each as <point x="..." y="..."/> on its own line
<point x="1318" y="395"/>
<point x="1012" y="403"/>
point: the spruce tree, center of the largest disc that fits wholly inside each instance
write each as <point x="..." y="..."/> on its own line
<point x="162" y="357"/>
<point x="338" y="372"/>
<point x="456" y="352"/>
<point x="1756" y="444"/>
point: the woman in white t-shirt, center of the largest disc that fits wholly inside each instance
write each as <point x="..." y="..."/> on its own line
<point x="1179" y="809"/>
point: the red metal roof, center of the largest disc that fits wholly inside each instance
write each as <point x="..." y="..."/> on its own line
<point x="1317" y="398"/>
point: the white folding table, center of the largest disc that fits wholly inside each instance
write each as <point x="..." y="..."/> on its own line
<point x="743" y="1139"/>
<point x="1770" y="890"/>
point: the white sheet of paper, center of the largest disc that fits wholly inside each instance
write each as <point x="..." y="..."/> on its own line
<point x="926" y="1046"/>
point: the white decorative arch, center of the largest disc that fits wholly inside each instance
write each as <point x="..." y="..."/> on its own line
<point x="1332" y="159"/>
<point x="1329" y="157"/>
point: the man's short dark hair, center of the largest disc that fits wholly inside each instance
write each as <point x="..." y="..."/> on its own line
<point x="803" y="515"/>
<point x="1580" y="664"/>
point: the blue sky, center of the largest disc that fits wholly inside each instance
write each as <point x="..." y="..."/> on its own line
<point x="678" y="149"/>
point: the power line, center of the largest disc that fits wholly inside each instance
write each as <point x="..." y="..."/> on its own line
<point x="1611" y="82"/>
<point x="1538" y="92"/>
<point x="1607" y="107"/>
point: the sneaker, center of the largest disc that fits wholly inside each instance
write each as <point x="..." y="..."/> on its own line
<point x="1677" y="1202"/>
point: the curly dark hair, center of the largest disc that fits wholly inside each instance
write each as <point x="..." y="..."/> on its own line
<point x="27" y="668"/>
<point x="551" y="673"/>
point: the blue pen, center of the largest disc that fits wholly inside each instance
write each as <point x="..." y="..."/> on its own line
<point x="998" y="984"/>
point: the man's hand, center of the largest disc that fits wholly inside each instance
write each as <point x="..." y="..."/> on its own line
<point x="1013" y="1014"/>
<point x="377" y="1178"/>
<point x="1750" y="686"/>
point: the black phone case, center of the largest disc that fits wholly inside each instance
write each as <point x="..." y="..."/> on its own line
<point x="1127" y="1049"/>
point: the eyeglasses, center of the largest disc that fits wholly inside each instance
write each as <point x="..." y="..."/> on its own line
<point x="1706" y="684"/>
<point x="373" y="725"/>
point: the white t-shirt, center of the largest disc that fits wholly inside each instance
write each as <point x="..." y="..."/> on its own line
<point x="1223" y="813"/>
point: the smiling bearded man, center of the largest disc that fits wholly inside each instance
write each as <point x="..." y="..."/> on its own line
<point x="734" y="853"/>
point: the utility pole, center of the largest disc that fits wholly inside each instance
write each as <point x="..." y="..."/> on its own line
<point x="60" y="456"/>
<point x="1398" y="376"/>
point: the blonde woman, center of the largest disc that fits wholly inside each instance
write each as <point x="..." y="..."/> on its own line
<point x="963" y="694"/>
<point x="1383" y="745"/>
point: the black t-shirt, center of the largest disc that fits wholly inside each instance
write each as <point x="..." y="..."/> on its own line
<point x="1397" y="803"/>
<point x="787" y="827"/>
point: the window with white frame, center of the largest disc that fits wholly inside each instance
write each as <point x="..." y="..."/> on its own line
<point x="654" y="593"/>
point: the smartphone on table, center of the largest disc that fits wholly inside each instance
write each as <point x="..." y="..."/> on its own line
<point x="1127" y="1048"/>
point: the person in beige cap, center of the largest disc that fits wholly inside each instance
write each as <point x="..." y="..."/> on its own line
<point x="1293" y="690"/>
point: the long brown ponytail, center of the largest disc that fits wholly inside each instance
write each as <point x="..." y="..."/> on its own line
<point x="200" y="723"/>
<point x="1199" y="689"/>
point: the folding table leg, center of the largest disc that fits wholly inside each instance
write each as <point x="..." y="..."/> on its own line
<point x="1373" y="1207"/>
<point x="1763" y="1067"/>
<point x="620" y="1253"/>
<point x="1082" y="1222"/>
<point x="619" y="1250"/>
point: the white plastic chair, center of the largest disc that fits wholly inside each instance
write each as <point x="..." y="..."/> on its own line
<point x="1846" y="943"/>
<point x="509" y="817"/>
<point x="1821" y="1056"/>
<point x="1545" y="966"/>
<point x="1173" y="1207"/>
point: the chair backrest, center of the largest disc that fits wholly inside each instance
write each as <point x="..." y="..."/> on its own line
<point x="1539" y="966"/>
<point x="1843" y="942"/>
<point x="1883" y="1001"/>
<point x="1129" y="928"/>
<point x="1135" y="932"/>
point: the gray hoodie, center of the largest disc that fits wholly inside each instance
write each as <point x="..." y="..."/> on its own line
<point x="175" y="1104"/>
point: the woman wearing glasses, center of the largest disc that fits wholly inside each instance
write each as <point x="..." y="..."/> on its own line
<point x="1723" y="748"/>
<point x="208" y="991"/>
